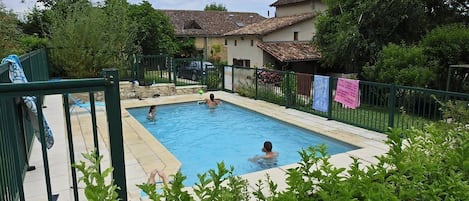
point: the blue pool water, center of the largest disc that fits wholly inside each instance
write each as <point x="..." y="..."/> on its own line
<point x="200" y="137"/>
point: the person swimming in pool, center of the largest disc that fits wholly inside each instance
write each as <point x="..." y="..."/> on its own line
<point x="268" y="160"/>
<point x="151" y="113"/>
<point x="212" y="102"/>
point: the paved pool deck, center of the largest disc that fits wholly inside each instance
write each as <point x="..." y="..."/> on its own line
<point x="143" y="152"/>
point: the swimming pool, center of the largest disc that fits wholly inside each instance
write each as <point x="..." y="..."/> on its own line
<point x="200" y="137"/>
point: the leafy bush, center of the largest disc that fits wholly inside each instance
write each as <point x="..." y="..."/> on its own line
<point x="246" y="90"/>
<point x="289" y="88"/>
<point x="447" y="45"/>
<point x="221" y="185"/>
<point x="173" y="192"/>
<point x="96" y="189"/>
<point x="215" y="185"/>
<point x="213" y="80"/>
<point x="270" y="94"/>
<point x="30" y="43"/>
<point x="401" y="65"/>
<point x="85" y="39"/>
<point x="10" y="33"/>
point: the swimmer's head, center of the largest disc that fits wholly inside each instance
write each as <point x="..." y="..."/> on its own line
<point x="267" y="146"/>
<point x="212" y="97"/>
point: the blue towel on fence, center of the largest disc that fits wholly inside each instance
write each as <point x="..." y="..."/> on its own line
<point x="321" y="93"/>
<point x="16" y="75"/>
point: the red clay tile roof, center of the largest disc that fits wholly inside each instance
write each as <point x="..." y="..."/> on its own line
<point x="271" y="24"/>
<point x="285" y="2"/>
<point x="291" y="51"/>
<point x="209" y="23"/>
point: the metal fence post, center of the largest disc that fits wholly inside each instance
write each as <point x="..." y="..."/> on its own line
<point x="45" y="158"/>
<point x="232" y="79"/>
<point x="329" y="107"/>
<point x="70" y="145"/>
<point x="256" y="79"/>
<point x="287" y="90"/>
<point x="174" y="69"/>
<point x="223" y="78"/>
<point x="392" y="103"/>
<point x="113" y="110"/>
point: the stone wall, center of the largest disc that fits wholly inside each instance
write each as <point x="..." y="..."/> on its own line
<point x="129" y="91"/>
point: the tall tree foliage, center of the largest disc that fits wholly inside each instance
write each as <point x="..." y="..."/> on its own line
<point x="426" y="63"/>
<point x="352" y="33"/>
<point x="215" y="7"/>
<point x="85" y="39"/>
<point x="10" y="33"/>
<point x="155" y="33"/>
<point x="186" y="46"/>
<point x="36" y="23"/>
<point x="442" y="12"/>
<point x="401" y="65"/>
<point x="445" y="46"/>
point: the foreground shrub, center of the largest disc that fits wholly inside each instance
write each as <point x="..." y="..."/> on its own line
<point x="96" y="188"/>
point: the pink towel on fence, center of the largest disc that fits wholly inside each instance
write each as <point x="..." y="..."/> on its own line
<point x="347" y="93"/>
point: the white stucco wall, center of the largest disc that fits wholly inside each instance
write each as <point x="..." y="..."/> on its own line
<point x="304" y="7"/>
<point x="295" y="9"/>
<point x="319" y="6"/>
<point x="305" y="31"/>
<point x="244" y="50"/>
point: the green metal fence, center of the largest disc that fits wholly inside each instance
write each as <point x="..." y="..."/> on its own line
<point x="382" y="106"/>
<point x="16" y="133"/>
<point x="15" y="151"/>
<point x="154" y="69"/>
<point x="151" y="69"/>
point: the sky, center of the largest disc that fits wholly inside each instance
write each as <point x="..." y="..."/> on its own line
<point x="258" y="6"/>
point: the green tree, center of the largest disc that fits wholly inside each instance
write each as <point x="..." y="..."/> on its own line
<point x="10" y="33"/>
<point x="186" y="47"/>
<point x="36" y="23"/>
<point x="445" y="46"/>
<point x="30" y="43"/>
<point x="401" y="65"/>
<point x="85" y="39"/>
<point x="154" y="31"/>
<point x="215" y="7"/>
<point x="48" y="3"/>
<point x="446" y="12"/>
<point x="351" y="33"/>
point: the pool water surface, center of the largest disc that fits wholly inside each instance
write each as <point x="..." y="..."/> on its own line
<point x="200" y="137"/>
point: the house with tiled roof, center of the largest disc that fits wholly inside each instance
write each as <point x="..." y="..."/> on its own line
<point x="283" y="41"/>
<point x="208" y="28"/>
